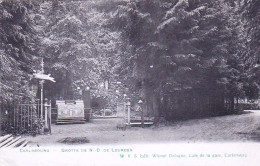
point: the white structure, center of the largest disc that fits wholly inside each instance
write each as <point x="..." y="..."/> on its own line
<point x="70" y="111"/>
<point x="43" y="77"/>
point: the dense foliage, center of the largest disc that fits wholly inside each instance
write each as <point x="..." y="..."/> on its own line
<point x="184" y="58"/>
<point x="191" y="58"/>
<point x="18" y="49"/>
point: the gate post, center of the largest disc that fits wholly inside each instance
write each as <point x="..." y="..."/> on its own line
<point x="128" y="105"/>
<point x="46" y="115"/>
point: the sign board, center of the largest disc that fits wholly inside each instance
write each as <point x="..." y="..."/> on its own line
<point x="70" y="109"/>
<point x="43" y="77"/>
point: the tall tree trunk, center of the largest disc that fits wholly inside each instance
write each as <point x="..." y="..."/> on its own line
<point x="232" y="104"/>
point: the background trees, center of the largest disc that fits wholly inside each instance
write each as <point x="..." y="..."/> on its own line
<point x="187" y="55"/>
<point x="184" y="58"/>
<point x="18" y="49"/>
<point x="79" y="50"/>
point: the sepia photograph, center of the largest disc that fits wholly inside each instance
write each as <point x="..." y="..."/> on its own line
<point x="129" y="82"/>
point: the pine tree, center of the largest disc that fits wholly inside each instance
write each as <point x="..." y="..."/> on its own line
<point x="186" y="52"/>
<point x="18" y="48"/>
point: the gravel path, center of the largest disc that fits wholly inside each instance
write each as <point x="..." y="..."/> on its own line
<point x="231" y="128"/>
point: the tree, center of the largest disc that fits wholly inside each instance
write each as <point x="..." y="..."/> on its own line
<point x="79" y="49"/>
<point x="184" y="53"/>
<point x="18" y="50"/>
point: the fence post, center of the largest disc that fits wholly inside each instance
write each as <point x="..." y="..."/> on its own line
<point x="49" y="117"/>
<point x="46" y="113"/>
<point x="46" y="126"/>
<point x="128" y="112"/>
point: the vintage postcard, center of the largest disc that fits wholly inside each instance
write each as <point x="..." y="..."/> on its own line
<point x="129" y="82"/>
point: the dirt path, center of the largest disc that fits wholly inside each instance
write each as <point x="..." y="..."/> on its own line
<point x="231" y="128"/>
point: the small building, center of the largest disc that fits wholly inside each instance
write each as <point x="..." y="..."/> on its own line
<point x="70" y="111"/>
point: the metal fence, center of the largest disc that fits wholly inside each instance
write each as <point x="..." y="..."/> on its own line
<point x="24" y="118"/>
